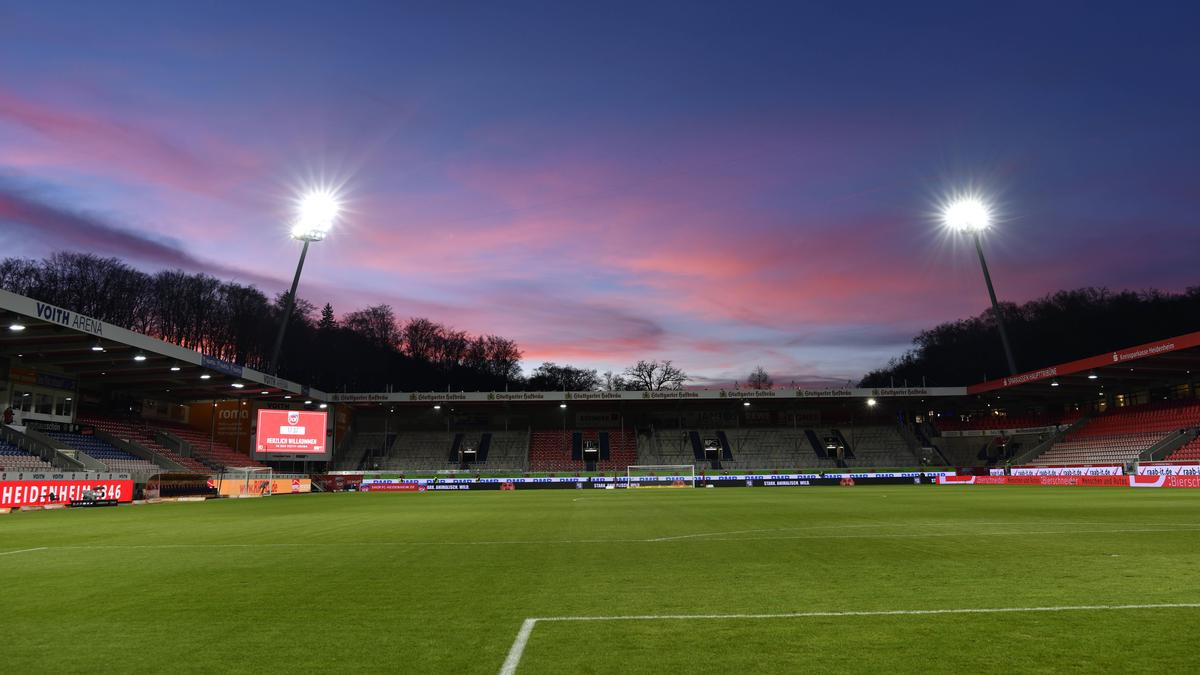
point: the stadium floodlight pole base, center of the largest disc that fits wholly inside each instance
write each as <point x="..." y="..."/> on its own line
<point x="660" y="475"/>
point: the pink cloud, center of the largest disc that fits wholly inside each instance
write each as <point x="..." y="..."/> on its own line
<point x="75" y="139"/>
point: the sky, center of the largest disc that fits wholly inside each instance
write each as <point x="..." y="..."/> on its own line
<point x="722" y="184"/>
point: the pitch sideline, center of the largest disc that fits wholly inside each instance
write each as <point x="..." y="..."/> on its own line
<point x="517" y="650"/>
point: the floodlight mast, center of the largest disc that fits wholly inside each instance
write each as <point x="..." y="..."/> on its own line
<point x="972" y="216"/>
<point x="318" y="210"/>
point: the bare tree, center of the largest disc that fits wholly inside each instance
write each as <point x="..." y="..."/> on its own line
<point x="759" y="379"/>
<point x="553" y="377"/>
<point x="236" y="323"/>
<point x="654" y="376"/>
<point x="420" y="338"/>
<point x="613" y="382"/>
<point x="376" y="323"/>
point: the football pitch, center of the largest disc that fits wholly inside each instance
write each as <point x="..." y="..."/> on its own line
<point x="877" y="579"/>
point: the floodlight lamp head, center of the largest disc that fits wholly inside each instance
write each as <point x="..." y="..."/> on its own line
<point x="967" y="214"/>
<point x="316" y="214"/>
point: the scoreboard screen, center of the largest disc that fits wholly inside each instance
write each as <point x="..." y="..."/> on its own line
<point x="292" y="434"/>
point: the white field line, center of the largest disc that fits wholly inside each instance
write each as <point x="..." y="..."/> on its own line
<point x="24" y="550"/>
<point x="704" y="537"/>
<point x="518" y="646"/>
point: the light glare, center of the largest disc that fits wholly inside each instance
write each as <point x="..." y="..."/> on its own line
<point x="317" y="212"/>
<point x="967" y="214"/>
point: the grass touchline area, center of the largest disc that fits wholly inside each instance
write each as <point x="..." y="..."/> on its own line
<point x="440" y="582"/>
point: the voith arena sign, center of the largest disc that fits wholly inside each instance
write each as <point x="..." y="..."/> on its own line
<point x="291" y="434"/>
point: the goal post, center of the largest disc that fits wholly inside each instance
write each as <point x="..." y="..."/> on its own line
<point x="246" y="481"/>
<point x="660" y="475"/>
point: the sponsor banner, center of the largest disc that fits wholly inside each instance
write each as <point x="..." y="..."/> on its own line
<point x="670" y="395"/>
<point x="582" y="482"/>
<point x="1099" y="361"/>
<point x="1168" y="470"/>
<point x="527" y="480"/>
<point x="1109" y="470"/>
<point x="69" y="319"/>
<point x="89" y="503"/>
<point x="293" y="433"/>
<point x="1076" y="481"/>
<point x="221" y="366"/>
<point x="42" y="492"/>
<point x="339" y="482"/>
<point x="38" y="378"/>
<point x="238" y="487"/>
<point x="393" y="487"/>
<point x="102" y="476"/>
<point x="827" y="480"/>
<point x="592" y="395"/>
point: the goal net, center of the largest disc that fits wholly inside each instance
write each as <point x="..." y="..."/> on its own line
<point x="246" y="481"/>
<point x="660" y="475"/>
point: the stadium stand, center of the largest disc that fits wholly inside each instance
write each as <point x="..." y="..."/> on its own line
<point x="420" y="451"/>
<point x="504" y="450"/>
<point x="98" y="449"/>
<point x="760" y="449"/>
<point x="877" y="446"/>
<point x="563" y="451"/>
<point x="143" y="436"/>
<point x="1188" y="452"/>
<point x="1120" y="435"/>
<point x="366" y="447"/>
<point x="13" y="458"/>
<point x="439" y="450"/>
<point x="206" y="448"/>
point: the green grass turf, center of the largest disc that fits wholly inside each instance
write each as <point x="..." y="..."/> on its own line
<point x="441" y="582"/>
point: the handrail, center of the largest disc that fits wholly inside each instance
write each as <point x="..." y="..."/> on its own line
<point x="136" y="449"/>
<point x="1168" y="444"/>
<point x="66" y="458"/>
<point x="1045" y="445"/>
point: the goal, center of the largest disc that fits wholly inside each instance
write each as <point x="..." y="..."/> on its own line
<point x="246" y="481"/>
<point x="660" y="475"/>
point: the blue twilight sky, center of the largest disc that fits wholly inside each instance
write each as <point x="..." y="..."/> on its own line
<point x="727" y="185"/>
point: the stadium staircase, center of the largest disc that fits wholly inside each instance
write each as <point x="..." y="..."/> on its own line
<point x="1188" y="451"/>
<point x="419" y="451"/>
<point x="364" y="447"/>
<point x="144" y="442"/>
<point x="65" y="455"/>
<point x="877" y="446"/>
<point x="770" y="449"/>
<point x="113" y="458"/>
<point x="202" y="446"/>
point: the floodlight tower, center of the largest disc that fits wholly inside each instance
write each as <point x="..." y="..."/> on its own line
<point x="318" y="210"/>
<point x="971" y="215"/>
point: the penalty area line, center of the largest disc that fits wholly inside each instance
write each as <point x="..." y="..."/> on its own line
<point x="24" y="550"/>
<point x="518" y="646"/>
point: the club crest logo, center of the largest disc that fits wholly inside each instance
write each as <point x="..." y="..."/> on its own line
<point x="293" y="417"/>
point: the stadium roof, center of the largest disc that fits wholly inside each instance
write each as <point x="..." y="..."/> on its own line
<point x="38" y="335"/>
<point x="1163" y="363"/>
